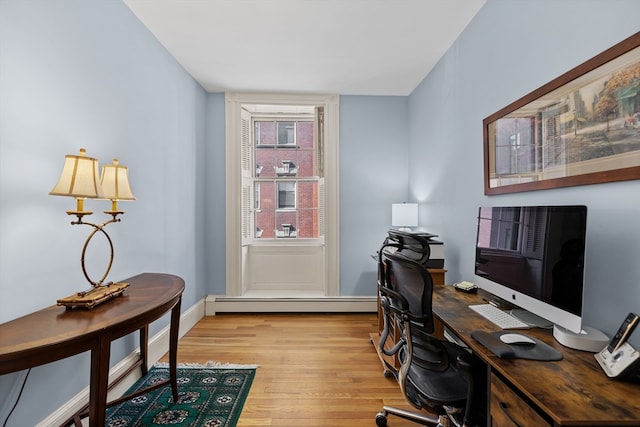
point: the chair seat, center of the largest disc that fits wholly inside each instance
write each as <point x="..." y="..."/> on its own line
<point x="449" y="388"/>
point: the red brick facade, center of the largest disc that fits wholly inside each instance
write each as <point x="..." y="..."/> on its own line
<point x="286" y="163"/>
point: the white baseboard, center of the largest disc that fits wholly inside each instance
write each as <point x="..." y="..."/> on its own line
<point x="158" y="347"/>
<point x="223" y="304"/>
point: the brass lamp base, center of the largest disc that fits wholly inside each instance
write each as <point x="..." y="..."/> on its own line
<point x="95" y="296"/>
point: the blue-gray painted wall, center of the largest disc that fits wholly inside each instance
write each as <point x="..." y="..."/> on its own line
<point x="89" y="74"/>
<point x="511" y="48"/>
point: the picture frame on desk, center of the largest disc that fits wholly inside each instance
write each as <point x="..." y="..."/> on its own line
<point x="581" y="128"/>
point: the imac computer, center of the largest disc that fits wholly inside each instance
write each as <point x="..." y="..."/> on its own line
<point x="533" y="257"/>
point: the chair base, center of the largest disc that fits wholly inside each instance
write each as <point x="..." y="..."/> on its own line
<point x="381" y="417"/>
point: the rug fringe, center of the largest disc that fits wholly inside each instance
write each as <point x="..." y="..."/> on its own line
<point x="209" y="364"/>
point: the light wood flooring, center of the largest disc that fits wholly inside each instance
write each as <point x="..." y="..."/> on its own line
<point x="315" y="369"/>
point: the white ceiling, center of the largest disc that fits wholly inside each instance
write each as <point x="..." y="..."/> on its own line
<point x="348" y="47"/>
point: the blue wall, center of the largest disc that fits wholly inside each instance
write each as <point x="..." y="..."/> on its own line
<point x="373" y="174"/>
<point x="215" y="208"/>
<point x="511" y="48"/>
<point x="89" y="74"/>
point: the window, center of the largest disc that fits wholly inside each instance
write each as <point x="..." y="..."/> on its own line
<point x="286" y="195"/>
<point x="265" y="133"/>
<point x="316" y="198"/>
<point x="286" y="133"/>
<point x="287" y="186"/>
<point x="271" y="132"/>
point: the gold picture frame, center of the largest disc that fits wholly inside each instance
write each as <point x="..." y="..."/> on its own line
<point x="581" y="128"/>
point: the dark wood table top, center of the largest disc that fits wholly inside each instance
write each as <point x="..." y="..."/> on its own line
<point x="54" y="333"/>
<point x="573" y="391"/>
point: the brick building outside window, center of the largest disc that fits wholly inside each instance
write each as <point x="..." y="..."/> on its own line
<point x="286" y="180"/>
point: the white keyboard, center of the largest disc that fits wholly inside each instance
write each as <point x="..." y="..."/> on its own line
<point x="498" y="317"/>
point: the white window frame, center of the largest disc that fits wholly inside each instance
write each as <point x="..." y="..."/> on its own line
<point x="234" y="245"/>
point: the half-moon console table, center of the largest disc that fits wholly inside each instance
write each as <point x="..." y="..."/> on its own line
<point x="55" y="333"/>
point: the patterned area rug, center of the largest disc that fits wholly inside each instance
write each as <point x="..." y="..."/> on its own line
<point x="211" y="395"/>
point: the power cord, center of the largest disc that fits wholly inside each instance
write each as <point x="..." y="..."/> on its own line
<point x="6" y="420"/>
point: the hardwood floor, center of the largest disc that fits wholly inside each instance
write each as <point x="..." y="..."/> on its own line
<point x="315" y="369"/>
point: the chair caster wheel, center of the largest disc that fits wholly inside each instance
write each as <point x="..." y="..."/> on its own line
<point x="381" y="419"/>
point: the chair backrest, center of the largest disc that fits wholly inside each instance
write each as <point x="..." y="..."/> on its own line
<point x="406" y="296"/>
<point x="406" y="290"/>
<point x="414" y="288"/>
<point x="410" y="245"/>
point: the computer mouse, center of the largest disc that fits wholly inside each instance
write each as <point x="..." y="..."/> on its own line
<point x="516" y="339"/>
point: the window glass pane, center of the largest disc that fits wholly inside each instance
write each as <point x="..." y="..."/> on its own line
<point x="266" y="162"/>
<point x="308" y="209"/>
<point x="286" y="225"/>
<point x="307" y="195"/>
<point x="286" y="195"/>
<point x="306" y="163"/>
<point x="265" y="133"/>
<point x="287" y="162"/>
<point x="285" y="151"/>
<point x="265" y="216"/>
<point x="286" y="133"/>
<point x="304" y="135"/>
<point x="309" y="223"/>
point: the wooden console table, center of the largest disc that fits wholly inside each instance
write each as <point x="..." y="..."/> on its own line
<point x="55" y="333"/>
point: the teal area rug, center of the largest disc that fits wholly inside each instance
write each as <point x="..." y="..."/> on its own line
<point x="210" y="395"/>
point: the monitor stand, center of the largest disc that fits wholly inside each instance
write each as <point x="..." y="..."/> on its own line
<point x="531" y="319"/>
<point x="589" y="339"/>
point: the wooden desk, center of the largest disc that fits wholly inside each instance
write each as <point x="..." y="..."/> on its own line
<point x="55" y="333"/>
<point x="573" y="391"/>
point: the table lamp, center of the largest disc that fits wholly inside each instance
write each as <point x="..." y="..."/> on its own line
<point x="79" y="179"/>
<point x="404" y="215"/>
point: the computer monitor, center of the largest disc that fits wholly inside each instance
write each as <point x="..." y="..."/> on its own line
<point x="533" y="257"/>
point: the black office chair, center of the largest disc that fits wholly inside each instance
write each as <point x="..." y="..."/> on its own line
<point x="435" y="375"/>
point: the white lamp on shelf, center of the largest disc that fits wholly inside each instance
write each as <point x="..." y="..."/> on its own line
<point x="404" y="216"/>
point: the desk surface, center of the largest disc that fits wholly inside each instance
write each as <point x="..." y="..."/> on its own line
<point x="54" y="333"/>
<point x="572" y="391"/>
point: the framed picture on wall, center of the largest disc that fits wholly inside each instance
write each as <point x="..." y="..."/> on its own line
<point x="581" y="128"/>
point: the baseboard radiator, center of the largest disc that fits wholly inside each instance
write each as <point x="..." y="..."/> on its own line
<point x="224" y="304"/>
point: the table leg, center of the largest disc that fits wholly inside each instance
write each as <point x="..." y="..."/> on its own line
<point x="173" y="348"/>
<point x="99" y="380"/>
<point x="144" y="348"/>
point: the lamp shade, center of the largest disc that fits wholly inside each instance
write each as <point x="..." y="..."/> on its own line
<point x="404" y="214"/>
<point x="79" y="177"/>
<point x="115" y="182"/>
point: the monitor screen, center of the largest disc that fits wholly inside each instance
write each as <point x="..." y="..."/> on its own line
<point x="533" y="257"/>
